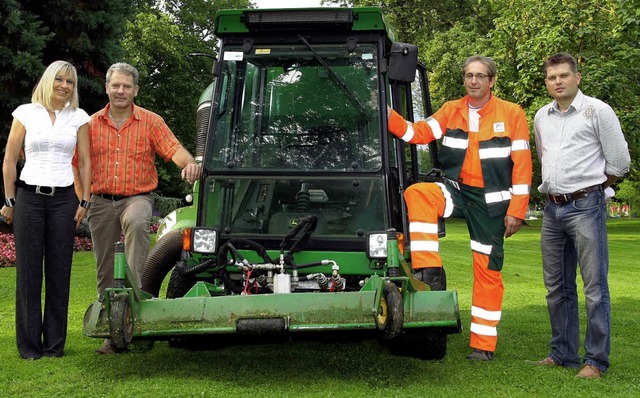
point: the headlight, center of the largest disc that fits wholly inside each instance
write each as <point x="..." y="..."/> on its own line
<point x="377" y="245"/>
<point x="204" y="240"/>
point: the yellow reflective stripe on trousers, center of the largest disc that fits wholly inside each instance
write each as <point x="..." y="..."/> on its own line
<point x="479" y="247"/>
<point x="485" y="314"/>
<point x="448" y="200"/>
<point x="483" y="330"/>
<point x="424" y="246"/>
<point x="424" y="227"/>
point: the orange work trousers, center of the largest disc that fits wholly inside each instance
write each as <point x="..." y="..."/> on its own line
<point x="426" y="202"/>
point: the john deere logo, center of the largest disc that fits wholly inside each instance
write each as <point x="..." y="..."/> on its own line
<point x="293" y="222"/>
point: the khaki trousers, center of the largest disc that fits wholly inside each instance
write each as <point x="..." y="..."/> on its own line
<point x="110" y="221"/>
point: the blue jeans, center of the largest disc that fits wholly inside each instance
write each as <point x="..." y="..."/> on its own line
<point x="572" y="233"/>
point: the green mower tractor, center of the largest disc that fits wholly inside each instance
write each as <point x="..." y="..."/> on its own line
<point x="297" y="227"/>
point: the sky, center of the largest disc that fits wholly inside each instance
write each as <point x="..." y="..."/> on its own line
<point x="286" y="3"/>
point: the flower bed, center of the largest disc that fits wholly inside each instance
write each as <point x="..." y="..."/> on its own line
<point x="8" y="248"/>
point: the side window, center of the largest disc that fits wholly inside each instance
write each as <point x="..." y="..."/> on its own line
<point x="223" y="113"/>
<point x="420" y="102"/>
<point x="427" y="155"/>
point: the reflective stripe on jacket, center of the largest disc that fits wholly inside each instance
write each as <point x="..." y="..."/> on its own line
<point x="497" y="157"/>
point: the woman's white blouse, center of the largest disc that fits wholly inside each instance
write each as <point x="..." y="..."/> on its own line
<point x="49" y="148"/>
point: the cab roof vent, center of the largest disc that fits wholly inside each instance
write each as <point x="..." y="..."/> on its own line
<point x="299" y="19"/>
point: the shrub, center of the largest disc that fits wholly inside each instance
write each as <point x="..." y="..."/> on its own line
<point x="164" y="205"/>
<point x="81" y="244"/>
<point x="8" y="248"/>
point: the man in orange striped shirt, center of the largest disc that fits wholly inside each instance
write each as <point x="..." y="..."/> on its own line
<point x="125" y="139"/>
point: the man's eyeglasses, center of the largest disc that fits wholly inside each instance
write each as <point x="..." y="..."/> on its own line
<point x="481" y="77"/>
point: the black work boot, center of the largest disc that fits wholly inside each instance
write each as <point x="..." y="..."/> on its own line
<point x="480" y="355"/>
<point x="435" y="277"/>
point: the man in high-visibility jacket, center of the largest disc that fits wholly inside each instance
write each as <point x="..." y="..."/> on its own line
<point x="486" y="162"/>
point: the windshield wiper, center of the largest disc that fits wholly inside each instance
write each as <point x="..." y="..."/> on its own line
<point x="337" y="79"/>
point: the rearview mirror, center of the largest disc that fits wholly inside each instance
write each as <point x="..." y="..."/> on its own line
<point x="403" y="61"/>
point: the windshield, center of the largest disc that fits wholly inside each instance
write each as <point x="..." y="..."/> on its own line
<point x="292" y="107"/>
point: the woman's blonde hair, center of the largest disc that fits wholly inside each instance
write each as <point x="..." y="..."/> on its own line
<point x="43" y="92"/>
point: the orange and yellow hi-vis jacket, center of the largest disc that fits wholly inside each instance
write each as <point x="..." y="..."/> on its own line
<point x="497" y="157"/>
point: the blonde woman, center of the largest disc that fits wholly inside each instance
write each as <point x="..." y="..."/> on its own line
<point x="43" y="207"/>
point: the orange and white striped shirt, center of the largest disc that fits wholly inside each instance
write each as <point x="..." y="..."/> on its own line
<point x="122" y="162"/>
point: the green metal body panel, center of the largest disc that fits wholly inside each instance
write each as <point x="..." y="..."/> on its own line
<point x="183" y="217"/>
<point x="301" y="312"/>
<point x="348" y="203"/>
<point x="368" y="18"/>
<point x="207" y="94"/>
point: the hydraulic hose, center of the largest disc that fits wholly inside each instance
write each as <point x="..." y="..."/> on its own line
<point x="242" y="244"/>
<point x="184" y="270"/>
<point x="164" y="255"/>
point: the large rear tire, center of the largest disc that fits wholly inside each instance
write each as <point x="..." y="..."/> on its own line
<point x="179" y="285"/>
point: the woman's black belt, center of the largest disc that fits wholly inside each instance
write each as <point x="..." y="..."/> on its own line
<point x="42" y="189"/>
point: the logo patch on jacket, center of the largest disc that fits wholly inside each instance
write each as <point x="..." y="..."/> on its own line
<point x="498" y="127"/>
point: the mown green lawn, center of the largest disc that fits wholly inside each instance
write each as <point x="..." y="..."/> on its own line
<point x="348" y="370"/>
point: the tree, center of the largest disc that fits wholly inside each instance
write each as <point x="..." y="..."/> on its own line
<point x="158" y="41"/>
<point x="87" y="34"/>
<point x="602" y="34"/>
<point x="35" y="33"/>
<point x="22" y="44"/>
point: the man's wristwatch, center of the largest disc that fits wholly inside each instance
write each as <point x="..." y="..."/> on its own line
<point x="84" y="203"/>
<point x="10" y="202"/>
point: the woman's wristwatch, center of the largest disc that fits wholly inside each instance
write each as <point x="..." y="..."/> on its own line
<point x="85" y="203"/>
<point x="10" y="202"/>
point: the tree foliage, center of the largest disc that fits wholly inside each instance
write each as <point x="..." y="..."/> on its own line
<point x="35" y="33"/>
<point x="604" y="35"/>
<point x="158" y="41"/>
<point x="22" y="45"/>
<point x="519" y="35"/>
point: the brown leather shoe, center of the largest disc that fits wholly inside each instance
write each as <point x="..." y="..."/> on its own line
<point x="589" y="372"/>
<point x="106" y="348"/>
<point x="548" y="361"/>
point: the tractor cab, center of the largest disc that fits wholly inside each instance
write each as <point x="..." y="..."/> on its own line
<point x="298" y="222"/>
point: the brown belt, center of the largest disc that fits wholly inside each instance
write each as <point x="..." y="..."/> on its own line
<point x="570" y="197"/>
